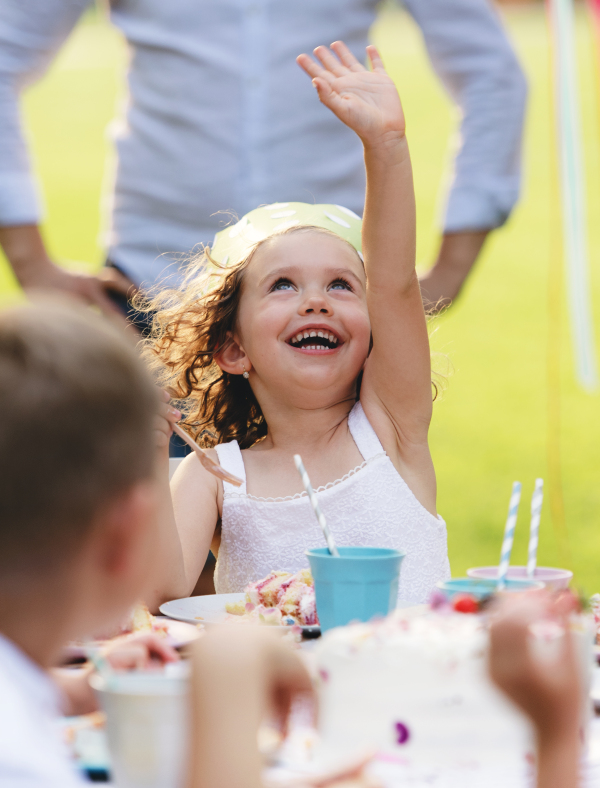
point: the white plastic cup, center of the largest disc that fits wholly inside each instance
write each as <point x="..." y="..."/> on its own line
<point x="147" y="726"/>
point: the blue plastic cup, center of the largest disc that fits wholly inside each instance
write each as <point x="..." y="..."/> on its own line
<point x="360" y="584"/>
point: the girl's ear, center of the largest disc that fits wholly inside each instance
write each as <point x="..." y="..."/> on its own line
<point x="232" y="357"/>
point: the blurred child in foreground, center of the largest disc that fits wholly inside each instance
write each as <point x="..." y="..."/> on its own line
<point x="548" y="692"/>
<point x="79" y="541"/>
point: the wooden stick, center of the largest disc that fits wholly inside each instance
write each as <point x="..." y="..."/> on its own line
<point x="206" y="460"/>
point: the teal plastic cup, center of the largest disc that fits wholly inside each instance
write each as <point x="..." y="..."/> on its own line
<point x="360" y="584"/>
<point x="482" y="588"/>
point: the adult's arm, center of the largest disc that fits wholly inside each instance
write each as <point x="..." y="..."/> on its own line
<point x="473" y="57"/>
<point x="31" y="33"/>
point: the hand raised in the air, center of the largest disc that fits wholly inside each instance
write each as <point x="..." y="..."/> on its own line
<point x="366" y="101"/>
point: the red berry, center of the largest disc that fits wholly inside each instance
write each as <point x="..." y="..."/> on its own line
<point x="465" y="603"/>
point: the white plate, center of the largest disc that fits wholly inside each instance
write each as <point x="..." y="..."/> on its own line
<point x="200" y="609"/>
<point x="178" y="635"/>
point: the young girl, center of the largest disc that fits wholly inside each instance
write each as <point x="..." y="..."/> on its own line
<point x="298" y="342"/>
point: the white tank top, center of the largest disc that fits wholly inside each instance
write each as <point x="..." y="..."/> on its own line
<point x="369" y="506"/>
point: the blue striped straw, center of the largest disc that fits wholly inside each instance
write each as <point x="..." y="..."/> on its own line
<point x="315" y="505"/>
<point x="99" y="662"/>
<point x="534" y="529"/>
<point x="509" y="534"/>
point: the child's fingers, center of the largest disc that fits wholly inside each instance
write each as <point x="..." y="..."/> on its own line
<point x="346" y="56"/>
<point x="169" y="413"/>
<point x="308" y="65"/>
<point x="155" y="646"/>
<point x="167" y="416"/>
<point x="328" y="96"/>
<point x="375" y="59"/>
<point x="330" y="62"/>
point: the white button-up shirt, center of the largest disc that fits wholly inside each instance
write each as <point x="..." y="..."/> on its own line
<point x="32" y="754"/>
<point x="220" y="118"/>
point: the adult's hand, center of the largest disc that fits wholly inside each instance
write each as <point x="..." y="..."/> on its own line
<point x="25" y="251"/>
<point x="456" y="257"/>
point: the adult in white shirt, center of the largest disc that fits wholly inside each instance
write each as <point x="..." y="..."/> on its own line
<point x="220" y="118"/>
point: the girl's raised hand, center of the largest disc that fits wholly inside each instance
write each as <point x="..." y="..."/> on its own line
<point x="366" y="101"/>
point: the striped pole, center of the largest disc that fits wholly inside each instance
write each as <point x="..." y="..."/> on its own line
<point x="534" y="528"/>
<point x="315" y="505"/>
<point x="509" y="534"/>
<point x="572" y="183"/>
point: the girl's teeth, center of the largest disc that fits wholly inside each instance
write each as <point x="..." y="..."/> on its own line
<point x="310" y="334"/>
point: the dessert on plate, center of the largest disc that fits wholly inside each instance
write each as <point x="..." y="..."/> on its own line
<point x="141" y="620"/>
<point x="280" y="599"/>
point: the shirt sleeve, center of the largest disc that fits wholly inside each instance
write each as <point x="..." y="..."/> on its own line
<point x="31" y="32"/>
<point x="474" y="59"/>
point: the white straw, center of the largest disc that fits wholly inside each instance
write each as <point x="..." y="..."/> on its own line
<point x="509" y="534"/>
<point x="315" y="505"/>
<point x="534" y="529"/>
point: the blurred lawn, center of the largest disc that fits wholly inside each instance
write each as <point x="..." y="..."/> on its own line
<point x="492" y="425"/>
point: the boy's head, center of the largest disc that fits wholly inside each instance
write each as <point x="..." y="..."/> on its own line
<point x="76" y="458"/>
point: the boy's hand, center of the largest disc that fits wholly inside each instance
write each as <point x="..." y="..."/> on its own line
<point x="366" y="101"/>
<point x="139" y="651"/>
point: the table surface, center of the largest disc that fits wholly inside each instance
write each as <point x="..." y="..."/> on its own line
<point x="293" y="760"/>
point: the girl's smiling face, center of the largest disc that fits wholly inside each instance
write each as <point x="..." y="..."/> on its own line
<point x="303" y="321"/>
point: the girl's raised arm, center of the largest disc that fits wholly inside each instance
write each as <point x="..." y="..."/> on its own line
<point x="397" y="379"/>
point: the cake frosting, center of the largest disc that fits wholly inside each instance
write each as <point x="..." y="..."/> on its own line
<point x="280" y="598"/>
<point x="415" y="687"/>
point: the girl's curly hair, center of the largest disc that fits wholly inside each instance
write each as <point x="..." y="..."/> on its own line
<point x="190" y="325"/>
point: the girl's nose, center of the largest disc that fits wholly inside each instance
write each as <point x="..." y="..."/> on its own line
<point x="316" y="304"/>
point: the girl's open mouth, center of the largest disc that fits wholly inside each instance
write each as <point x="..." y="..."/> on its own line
<point x="315" y="339"/>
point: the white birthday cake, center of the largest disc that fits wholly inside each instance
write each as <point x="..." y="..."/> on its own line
<point x="415" y="688"/>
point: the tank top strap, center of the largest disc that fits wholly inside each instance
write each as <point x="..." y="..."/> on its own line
<point x="363" y="434"/>
<point x="230" y="458"/>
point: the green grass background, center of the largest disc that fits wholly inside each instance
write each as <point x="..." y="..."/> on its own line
<point x="492" y="425"/>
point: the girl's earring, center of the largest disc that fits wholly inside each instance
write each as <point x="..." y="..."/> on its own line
<point x="245" y="374"/>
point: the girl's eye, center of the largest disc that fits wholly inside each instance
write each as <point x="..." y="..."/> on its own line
<point x="282" y="284"/>
<point x="340" y="284"/>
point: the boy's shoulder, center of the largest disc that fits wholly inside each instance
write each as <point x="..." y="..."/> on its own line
<point x="32" y="752"/>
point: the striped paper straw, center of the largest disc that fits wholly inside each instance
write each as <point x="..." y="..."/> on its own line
<point x="99" y="662"/>
<point x="573" y="189"/>
<point x="315" y="505"/>
<point x="509" y="534"/>
<point x="534" y="528"/>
